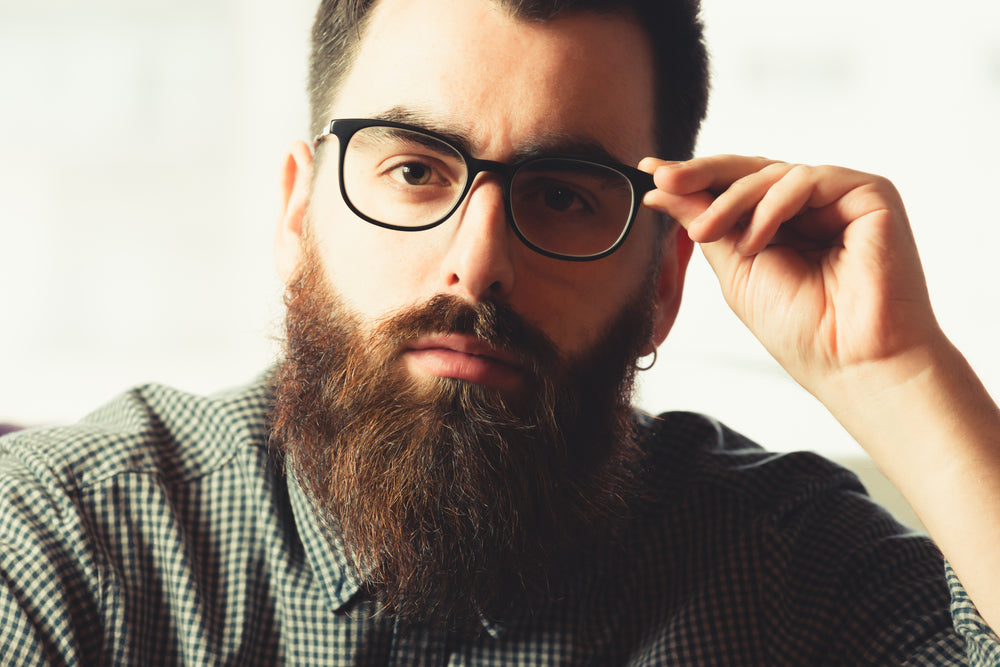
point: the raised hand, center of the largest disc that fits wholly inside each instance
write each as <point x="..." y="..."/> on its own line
<point x="818" y="262"/>
<point x="821" y="265"/>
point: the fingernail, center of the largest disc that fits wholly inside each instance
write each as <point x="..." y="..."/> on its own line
<point x="670" y="164"/>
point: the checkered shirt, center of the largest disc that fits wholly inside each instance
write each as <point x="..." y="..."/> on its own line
<point x="160" y="531"/>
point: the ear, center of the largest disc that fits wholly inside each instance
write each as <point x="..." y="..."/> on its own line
<point x="296" y="186"/>
<point x="677" y="248"/>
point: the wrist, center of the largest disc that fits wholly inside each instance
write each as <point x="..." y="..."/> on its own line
<point x="918" y="415"/>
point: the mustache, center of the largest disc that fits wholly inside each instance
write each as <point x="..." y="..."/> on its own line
<point x="496" y="323"/>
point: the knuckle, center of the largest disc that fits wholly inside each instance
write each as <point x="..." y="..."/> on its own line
<point x="804" y="173"/>
<point x="883" y="184"/>
<point x="779" y="171"/>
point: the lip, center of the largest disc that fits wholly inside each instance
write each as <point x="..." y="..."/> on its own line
<point x="464" y="357"/>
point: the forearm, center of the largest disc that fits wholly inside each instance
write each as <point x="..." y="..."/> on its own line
<point x="821" y="265"/>
<point x="934" y="430"/>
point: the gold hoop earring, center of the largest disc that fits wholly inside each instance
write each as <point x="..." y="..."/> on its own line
<point x="651" y="364"/>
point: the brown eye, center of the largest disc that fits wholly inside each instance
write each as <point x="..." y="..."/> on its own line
<point x="414" y="173"/>
<point x="560" y="199"/>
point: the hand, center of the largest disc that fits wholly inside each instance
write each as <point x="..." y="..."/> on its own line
<point x="818" y="262"/>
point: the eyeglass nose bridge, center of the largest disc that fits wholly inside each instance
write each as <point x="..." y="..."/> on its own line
<point x="474" y="167"/>
<point x="502" y="169"/>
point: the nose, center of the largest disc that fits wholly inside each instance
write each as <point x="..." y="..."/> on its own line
<point x="479" y="264"/>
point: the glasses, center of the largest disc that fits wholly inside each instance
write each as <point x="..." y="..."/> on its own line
<point x="405" y="178"/>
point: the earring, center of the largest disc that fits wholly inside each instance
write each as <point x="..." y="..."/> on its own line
<point x="651" y="363"/>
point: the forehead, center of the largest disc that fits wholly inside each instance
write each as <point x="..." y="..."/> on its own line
<point x="506" y="82"/>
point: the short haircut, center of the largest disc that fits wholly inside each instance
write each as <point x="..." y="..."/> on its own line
<point x="675" y="33"/>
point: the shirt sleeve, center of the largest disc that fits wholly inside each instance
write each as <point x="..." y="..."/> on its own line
<point x="48" y="583"/>
<point x="981" y="644"/>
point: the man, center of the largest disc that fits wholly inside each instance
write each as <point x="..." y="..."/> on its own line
<point x="444" y="468"/>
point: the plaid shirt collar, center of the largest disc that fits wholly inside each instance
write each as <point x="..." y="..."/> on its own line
<point x="327" y="557"/>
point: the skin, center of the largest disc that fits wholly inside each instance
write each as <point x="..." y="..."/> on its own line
<point x="533" y="85"/>
<point x="818" y="262"/>
<point x="821" y="265"/>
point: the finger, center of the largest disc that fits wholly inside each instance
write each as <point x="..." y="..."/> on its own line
<point x="816" y="203"/>
<point x="682" y="208"/>
<point x="776" y="203"/>
<point x="714" y="174"/>
<point x="733" y="210"/>
<point x="651" y="164"/>
<point x="783" y="201"/>
<point x="853" y="195"/>
<point x="686" y="189"/>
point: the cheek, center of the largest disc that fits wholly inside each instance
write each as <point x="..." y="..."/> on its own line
<point x="374" y="270"/>
<point x="574" y="302"/>
<point x="590" y="295"/>
<point x="348" y="254"/>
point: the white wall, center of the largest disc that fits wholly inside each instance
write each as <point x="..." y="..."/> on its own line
<point x="887" y="86"/>
<point x="141" y="141"/>
<point x="140" y="147"/>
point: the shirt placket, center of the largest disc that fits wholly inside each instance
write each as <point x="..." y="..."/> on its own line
<point x="418" y="647"/>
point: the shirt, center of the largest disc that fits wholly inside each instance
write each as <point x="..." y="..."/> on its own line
<point x="160" y="530"/>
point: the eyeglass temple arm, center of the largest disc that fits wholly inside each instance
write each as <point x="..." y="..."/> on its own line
<point x="318" y="139"/>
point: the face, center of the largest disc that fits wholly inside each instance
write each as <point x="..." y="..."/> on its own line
<point x="453" y="377"/>
<point x="506" y="86"/>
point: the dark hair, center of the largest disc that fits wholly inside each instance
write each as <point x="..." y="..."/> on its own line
<point x="675" y="33"/>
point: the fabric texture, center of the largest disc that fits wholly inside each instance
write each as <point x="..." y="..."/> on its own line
<point x="161" y="530"/>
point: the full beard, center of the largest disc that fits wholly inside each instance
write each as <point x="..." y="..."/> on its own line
<point x="454" y="500"/>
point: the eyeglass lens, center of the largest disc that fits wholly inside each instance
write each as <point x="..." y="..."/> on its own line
<point x="409" y="179"/>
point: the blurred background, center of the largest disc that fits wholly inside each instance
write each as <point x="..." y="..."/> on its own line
<point x="141" y="144"/>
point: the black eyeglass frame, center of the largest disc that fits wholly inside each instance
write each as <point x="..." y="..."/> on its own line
<point x="345" y="128"/>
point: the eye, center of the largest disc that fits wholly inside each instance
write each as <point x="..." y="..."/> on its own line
<point x="548" y="196"/>
<point x="561" y="199"/>
<point x="412" y="173"/>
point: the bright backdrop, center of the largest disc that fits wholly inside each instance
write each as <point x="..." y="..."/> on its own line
<point x="141" y="142"/>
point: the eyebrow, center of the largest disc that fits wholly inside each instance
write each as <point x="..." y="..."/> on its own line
<point x="562" y="144"/>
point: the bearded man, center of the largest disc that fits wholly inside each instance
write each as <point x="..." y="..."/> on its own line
<point x="444" y="466"/>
